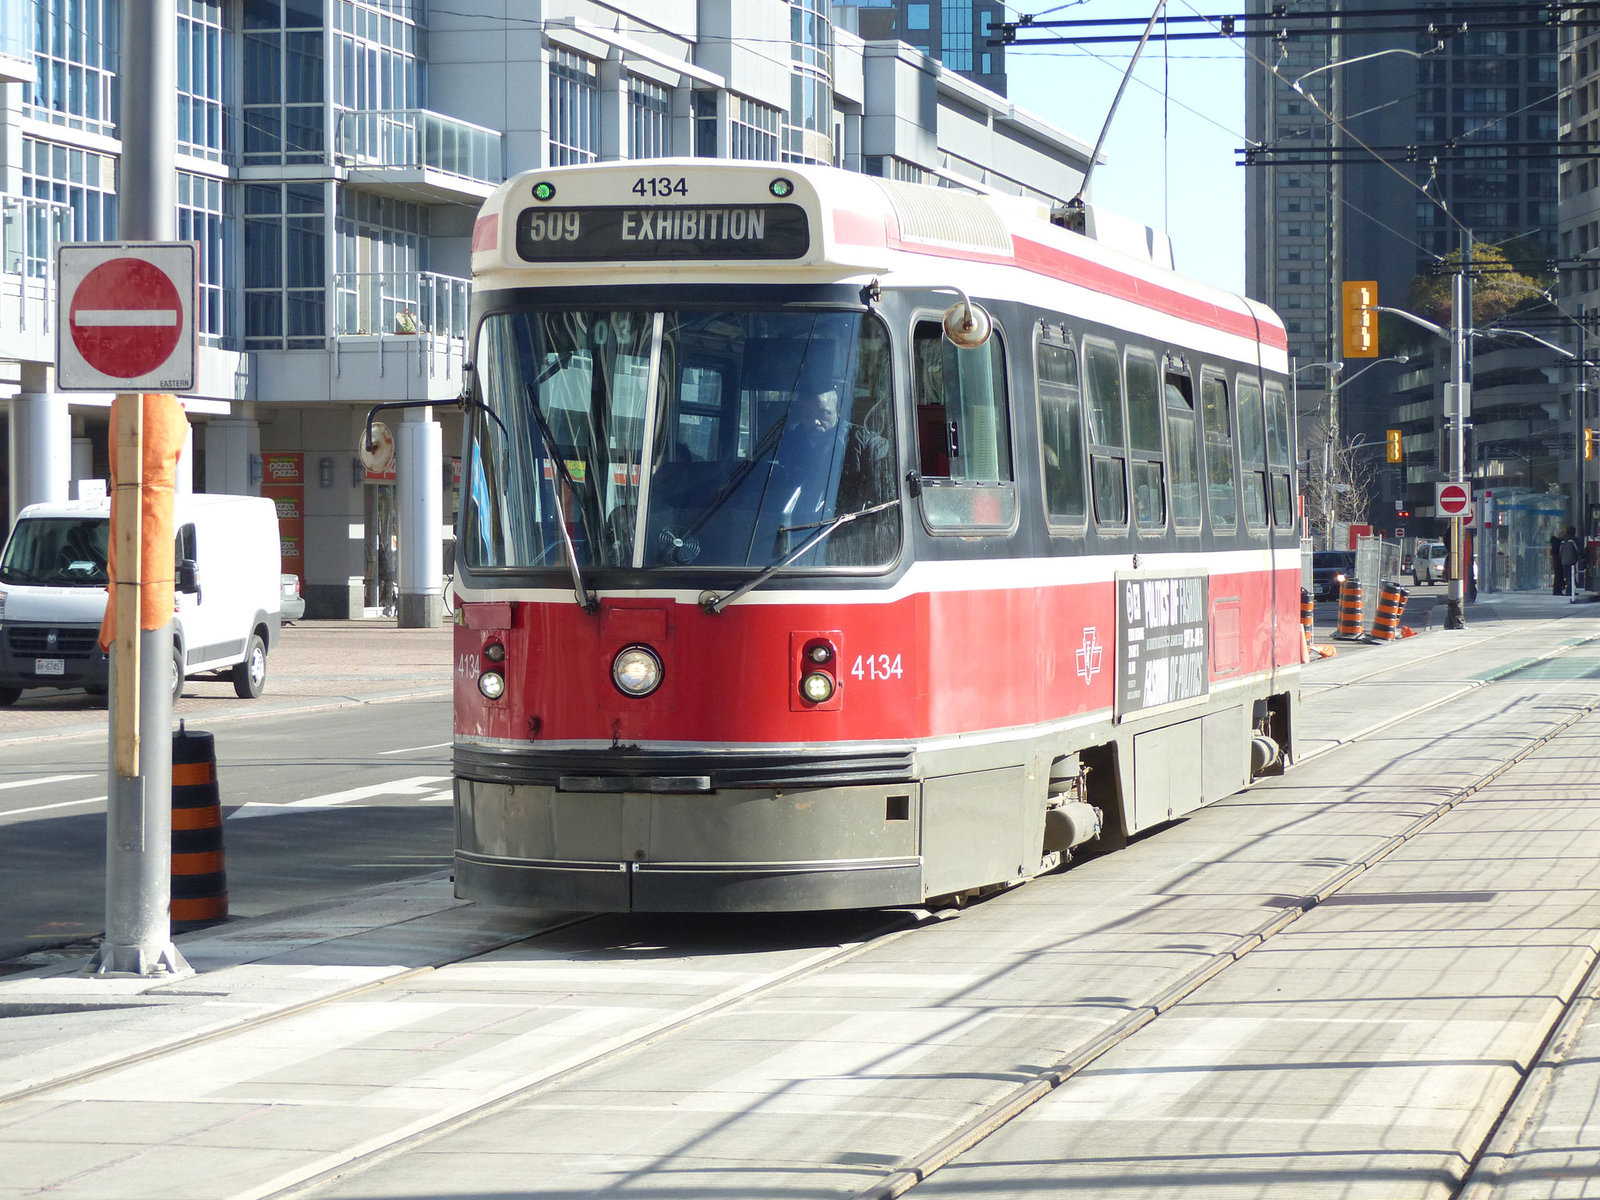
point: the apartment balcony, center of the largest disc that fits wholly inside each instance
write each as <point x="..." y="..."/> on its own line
<point x="16" y="41"/>
<point x="416" y="155"/>
<point x="30" y="231"/>
<point x="395" y="336"/>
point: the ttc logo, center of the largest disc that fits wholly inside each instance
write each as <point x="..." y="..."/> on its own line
<point x="1089" y="656"/>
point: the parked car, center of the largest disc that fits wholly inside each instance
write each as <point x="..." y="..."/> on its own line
<point x="291" y="602"/>
<point x="1427" y="563"/>
<point x="1329" y="569"/>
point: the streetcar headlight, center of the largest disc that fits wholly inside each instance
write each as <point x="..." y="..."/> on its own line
<point x="817" y="687"/>
<point x="636" y="671"/>
<point x="495" y="652"/>
<point x="492" y="684"/>
<point x="819" y="653"/>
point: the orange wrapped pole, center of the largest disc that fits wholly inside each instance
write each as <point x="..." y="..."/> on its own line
<point x="150" y="431"/>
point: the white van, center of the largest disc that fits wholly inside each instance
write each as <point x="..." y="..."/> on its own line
<point x="53" y="594"/>
<point x="1427" y="562"/>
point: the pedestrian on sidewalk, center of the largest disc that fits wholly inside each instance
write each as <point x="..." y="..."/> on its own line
<point x="1569" y="553"/>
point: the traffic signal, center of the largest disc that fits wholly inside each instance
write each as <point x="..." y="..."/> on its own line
<point x="1588" y="444"/>
<point x="1360" y="321"/>
<point x="1395" y="452"/>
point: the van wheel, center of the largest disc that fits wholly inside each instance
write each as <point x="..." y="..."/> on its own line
<point x="9" y="696"/>
<point x="177" y="672"/>
<point x="250" y="676"/>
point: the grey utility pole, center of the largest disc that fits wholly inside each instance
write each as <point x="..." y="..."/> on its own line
<point x="1458" y="411"/>
<point x="138" y="937"/>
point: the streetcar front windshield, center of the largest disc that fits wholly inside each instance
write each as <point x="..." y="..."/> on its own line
<point x="680" y="439"/>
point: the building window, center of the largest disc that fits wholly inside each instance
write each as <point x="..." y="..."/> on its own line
<point x="283" y="84"/>
<point x="811" y="34"/>
<point x="203" y="219"/>
<point x="285" y="284"/>
<point x="375" y="59"/>
<point x="75" y="44"/>
<point x="810" y="119"/>
<point x="917" y="16"/>
<point x="574" y="107"/>
<point x="753" y="131"/>
<point x="705" y="123"/>
<point x="205" y="59"/>
<point x="647" y="119"/>
<point x="81" y="179"/>
<point x="956" y="38"/>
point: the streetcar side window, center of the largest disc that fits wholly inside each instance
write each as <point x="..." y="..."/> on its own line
<point x="1222" y="496"/>
<point x="1279" y="457"/>
<point x="1107" y="448"/>
<point x="1184" y="459"/>
<point x="963" y="430"/>
<point x="1061" y="432"/>
<point x="1252" y="453"/>
<point x="1144" y="440"/>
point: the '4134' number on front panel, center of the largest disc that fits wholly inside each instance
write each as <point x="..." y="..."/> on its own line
<point x="877" y="666"/>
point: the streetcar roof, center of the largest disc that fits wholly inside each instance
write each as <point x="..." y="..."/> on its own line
<point x="707" y="220"/>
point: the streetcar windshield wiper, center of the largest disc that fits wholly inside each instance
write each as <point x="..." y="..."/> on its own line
<point x="714" y="603"/>
<point x="586" y="598"/>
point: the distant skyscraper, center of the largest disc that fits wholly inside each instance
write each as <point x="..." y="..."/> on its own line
<point x="956" y="32"/>
<point x="1457" y="121"/>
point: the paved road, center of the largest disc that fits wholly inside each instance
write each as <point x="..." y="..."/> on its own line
<point x="347" y="751"/>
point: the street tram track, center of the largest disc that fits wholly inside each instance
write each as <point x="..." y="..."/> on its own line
<point x="913" y="1171"/>
<point x="996" y="1116"/>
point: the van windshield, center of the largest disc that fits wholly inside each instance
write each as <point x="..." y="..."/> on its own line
<point x="57" y="552"/>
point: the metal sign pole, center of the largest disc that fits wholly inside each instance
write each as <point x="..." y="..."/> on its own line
<point x="138" y="937"/>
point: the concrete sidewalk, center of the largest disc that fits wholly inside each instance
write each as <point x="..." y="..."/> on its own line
<point x="315" y="664"/>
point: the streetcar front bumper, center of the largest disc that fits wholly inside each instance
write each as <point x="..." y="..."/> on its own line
<point x="677" y="841"/>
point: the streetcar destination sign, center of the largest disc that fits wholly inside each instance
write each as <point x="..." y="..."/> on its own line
<point x="662" y="233"/>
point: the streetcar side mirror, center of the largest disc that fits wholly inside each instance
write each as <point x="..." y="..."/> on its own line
<point x="966" y="325"/>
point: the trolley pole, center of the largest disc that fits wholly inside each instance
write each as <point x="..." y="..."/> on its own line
<point x="1458" y="408"/>
<point x="138" y="937"/>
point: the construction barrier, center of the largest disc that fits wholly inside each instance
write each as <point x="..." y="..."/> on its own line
<point x="1391" y="606"/>
<point x="1308" y="607"/>
<point x="199" y="881"/>
<point x="1349" y="610"/>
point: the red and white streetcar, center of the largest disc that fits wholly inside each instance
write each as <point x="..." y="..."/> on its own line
<point x="833" y="542"/>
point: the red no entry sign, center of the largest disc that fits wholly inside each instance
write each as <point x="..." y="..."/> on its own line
<point x="1452" y="499"/>
<point x="128" y="323"/>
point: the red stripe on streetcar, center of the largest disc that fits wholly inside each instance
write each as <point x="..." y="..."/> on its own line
<point x="933" y="664"/>
<point x="859" y="229"/>
<point x="1073" y="268"/>
<point x="486" y="232"/>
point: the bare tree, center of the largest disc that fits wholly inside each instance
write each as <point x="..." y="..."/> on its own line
<point x="1338" y="479"/>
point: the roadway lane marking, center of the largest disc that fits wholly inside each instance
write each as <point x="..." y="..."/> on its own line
<point x="17" y="812"/>
<point x="422" y="787"/>
<point x="418" y="749"/>
<point x="43" y="779"/>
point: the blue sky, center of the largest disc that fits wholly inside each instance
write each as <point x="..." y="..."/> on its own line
<point x="1170" y="154"/>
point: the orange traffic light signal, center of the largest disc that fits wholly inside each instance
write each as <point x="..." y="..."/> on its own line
<point x="1588" y="444"/>
<point x="1396" y="453"/>
<point x="1360" y="321"/>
